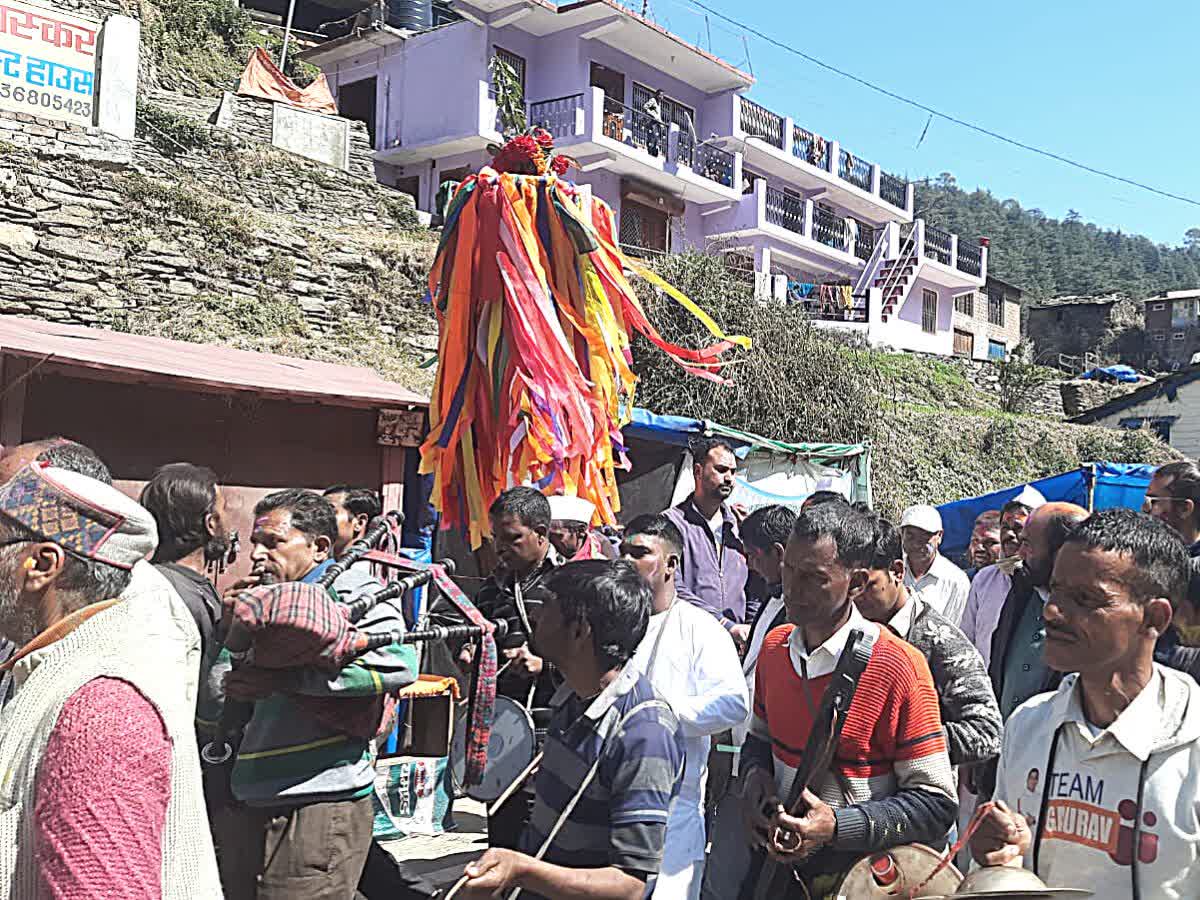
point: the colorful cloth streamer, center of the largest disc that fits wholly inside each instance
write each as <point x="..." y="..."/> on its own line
<point x="535" y="319"/>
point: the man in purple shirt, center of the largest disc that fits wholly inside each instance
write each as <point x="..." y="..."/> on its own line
<point x="713" y="572"/>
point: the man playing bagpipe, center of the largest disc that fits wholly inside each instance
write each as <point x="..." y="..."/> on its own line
<point x="300" y="824"/>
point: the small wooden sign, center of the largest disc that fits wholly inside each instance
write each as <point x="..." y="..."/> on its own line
<point x="400" y="427"/>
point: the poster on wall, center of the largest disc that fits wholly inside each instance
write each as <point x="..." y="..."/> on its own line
<point x="47" y="62"/>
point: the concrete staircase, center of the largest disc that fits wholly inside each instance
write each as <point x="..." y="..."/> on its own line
<point x="894" y="280"/>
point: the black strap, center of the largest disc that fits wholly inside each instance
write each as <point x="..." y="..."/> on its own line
<point x="831" y="717"/>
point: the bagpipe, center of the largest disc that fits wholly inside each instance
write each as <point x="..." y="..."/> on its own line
<point x="282" y="627"/>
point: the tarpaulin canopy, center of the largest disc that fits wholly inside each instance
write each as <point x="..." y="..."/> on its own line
<point x="1101" y="485"/>
<point x="769" y="471"/>
<point x="263" y="79"/>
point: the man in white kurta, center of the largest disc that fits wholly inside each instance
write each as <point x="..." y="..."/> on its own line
<point x="693" y="664"/>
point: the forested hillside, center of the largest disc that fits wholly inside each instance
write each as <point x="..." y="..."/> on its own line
<point x="1050" y="257"/>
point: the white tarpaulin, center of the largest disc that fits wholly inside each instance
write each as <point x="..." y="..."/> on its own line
<point x="764" y="479"/>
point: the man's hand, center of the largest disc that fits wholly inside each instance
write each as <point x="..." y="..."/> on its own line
<point x="242" y="584"/>
<point x="740" y="511"/>
<point x="494" y="874"/>
<point x="808" y="833"/>
<point x="759" y="805"/>
<point x="1003" y="837"/>
<point x="740" y="635"/>
<point x="523" y="662"/>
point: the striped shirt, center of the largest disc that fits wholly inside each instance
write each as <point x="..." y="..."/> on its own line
<point x="621" y="820"/>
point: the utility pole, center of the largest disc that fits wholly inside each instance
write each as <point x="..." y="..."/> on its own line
<point x="287" y="34"/>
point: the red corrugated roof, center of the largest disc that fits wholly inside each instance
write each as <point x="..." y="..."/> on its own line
<point x="211" y="366"/>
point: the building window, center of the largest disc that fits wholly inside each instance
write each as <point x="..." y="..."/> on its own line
<point x="997" y="350"/>
<point x="965" y="304"/>
<point x="1159" y="336"/>
<point x="929" y="311"/>
<point x="1158" y="307"/>
<point x="515" y="62"/>
<point x="964" y="343"/>
<point x="1177" y="336"/>
<point x="644" y="231"/>
<point x="996" y="307"/>
<point x="1160" y="425"/>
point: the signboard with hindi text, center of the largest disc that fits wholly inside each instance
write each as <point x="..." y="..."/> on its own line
<point x="47" y="62"/>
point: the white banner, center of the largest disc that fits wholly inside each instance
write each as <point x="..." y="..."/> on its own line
<point x="765" y="479"/>
<point x="47" y="62"/>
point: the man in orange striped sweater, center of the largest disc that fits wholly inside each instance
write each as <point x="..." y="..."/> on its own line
<point x="890" y="780"/>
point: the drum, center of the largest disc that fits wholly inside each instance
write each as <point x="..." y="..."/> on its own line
<point x="896" y="873"/>
<point x="511" y="749"/>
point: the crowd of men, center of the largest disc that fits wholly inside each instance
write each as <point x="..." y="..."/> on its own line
<point x="725" y="694"/>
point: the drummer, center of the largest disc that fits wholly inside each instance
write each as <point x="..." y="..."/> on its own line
<point x="571" y="533"/>
<point x="1098" y="786"/>
<point x="614" y="756"/>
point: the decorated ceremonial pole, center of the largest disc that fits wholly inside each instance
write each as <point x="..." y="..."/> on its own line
<point x="535" y="321"/>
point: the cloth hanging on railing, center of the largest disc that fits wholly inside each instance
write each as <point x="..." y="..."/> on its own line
<point x="846" y="297"/>
<point x="800" y="290"/>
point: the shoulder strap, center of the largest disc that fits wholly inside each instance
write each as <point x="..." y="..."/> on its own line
<point x="831" y="716"/>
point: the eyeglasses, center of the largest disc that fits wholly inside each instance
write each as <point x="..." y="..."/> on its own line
<point x="1150" y="500"/>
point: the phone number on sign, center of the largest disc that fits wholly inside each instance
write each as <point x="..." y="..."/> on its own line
<point x="45" y="100"/>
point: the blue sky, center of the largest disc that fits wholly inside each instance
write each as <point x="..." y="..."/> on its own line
<point x="1115" y="85"/>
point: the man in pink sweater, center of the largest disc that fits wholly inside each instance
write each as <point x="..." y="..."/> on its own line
<point x="98" y="721"/>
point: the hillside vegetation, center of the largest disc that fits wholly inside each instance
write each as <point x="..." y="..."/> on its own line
<point x="1051" y="257"/>
<point x="935" y="437"/>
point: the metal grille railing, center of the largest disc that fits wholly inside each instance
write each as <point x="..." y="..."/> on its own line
<point x="864" y="244"/>
<point x="937" y="245"/>
<point x="685" y="150"/>
<point x="714" y="164"/>
<point x="893" y="190"/>
<point x="785" y="210"/>
<point x="760" y="122"/>
<point x="557" y="116"/>
<point x="829" y="228"/>
<point x="812" y="148"/>
<point x="635" y="127"/>
<point x="854" y="170"/>
<point x="970" y="259"/>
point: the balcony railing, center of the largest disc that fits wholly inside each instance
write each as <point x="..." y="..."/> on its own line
<point x="706" y="160"/>
<point x="864" y="244"/>
<point x="854" y="170"/>
<point x="938" y="245"/>
<point x="829" y="228"/>
<point x="893" y="190"/>
<point x="785" y="210"/>
<point x="970" y="259"/>
<point x="828" y="303"/>
<point x="812" y="148"/>
<point x="760" y="122"/>
<point x="634" y="127"/>
<point x="557" y="116"/>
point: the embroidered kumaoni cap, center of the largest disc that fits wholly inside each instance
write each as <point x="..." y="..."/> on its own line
<point x="571" y="509"/>
<point x="87" y="517"/>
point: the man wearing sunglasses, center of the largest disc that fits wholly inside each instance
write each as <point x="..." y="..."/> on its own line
<point x="1173" y="497"/>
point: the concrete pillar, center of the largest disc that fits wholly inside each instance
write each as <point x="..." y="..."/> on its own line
<point x="953" y="251"/>
<point x="983" y="260"/>
<point x="116" y="99"/>
<point x="737" y="172"/>
<point x="594" y="111"/>
<point x="808" y="219"/>
<point x="672" y="147"/>
<point x="875" y="170"/>
<point x="835" y="157"/>
<point x="789" y="134"/>
<point x="760" y="204"/>
<point x="909" y="193"/>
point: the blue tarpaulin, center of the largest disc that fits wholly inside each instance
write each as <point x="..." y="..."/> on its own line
<point x="1101" y="485"/>
<point x="1123" y="374"/>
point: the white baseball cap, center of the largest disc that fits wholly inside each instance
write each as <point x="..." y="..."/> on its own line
<point x="1030" y="497"/>
<point x="927" y="518"/>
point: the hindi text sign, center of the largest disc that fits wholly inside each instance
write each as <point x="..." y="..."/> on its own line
<point x="47" y="62"/>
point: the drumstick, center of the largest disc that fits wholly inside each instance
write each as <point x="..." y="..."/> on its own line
<point x="493" y="809"/>
<point x="514" y="787"/>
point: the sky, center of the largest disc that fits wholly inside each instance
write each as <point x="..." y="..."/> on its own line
<point x="1114" y="85"/>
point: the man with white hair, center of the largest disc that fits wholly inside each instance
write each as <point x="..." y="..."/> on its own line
<point x="928" y="575"/>
<point x="102" y="791"/>
<point x="571" y="533"/>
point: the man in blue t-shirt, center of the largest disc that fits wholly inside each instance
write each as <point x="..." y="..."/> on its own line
<point x="614" y="755"/>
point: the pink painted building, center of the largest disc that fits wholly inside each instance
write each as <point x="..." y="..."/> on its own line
<point x="809" y="221"/>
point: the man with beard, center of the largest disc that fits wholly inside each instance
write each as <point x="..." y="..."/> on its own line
<point x="984" y="548"/>
<point x="991" y="584"/>
<point x="189" y="509"/>
<point x="102" y="787"/>
<point x="712" y="573"/>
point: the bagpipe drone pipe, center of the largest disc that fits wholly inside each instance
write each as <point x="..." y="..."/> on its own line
<point x="277" y="630"/>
